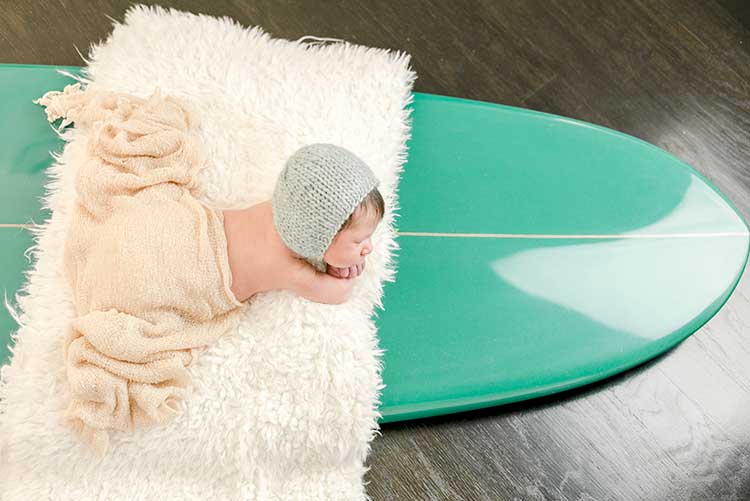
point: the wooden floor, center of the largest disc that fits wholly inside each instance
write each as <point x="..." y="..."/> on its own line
<point x="675" y="73"/>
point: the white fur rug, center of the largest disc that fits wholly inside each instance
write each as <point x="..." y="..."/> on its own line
<point x="286" y="407"/>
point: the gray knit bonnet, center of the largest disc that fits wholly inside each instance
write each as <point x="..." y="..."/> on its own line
<point x="317" y="190"/>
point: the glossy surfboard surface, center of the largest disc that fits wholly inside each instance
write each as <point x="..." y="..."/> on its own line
<point x="537" y="253"/>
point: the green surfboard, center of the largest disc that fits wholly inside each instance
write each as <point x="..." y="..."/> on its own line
<point x="538" y="253"/>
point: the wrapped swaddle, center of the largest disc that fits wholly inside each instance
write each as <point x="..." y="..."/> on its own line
<point x="146" y="260"/>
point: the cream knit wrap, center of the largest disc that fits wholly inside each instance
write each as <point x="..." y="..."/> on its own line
<point x="146" y="259"/>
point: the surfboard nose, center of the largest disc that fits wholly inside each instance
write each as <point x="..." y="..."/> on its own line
<point x="540" y="253"/>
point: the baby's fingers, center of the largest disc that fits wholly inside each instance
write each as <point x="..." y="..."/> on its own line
<point x="346" y="272"/>
<point x="339" y="272"/>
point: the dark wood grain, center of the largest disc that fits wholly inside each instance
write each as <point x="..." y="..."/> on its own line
<point x="675" y="73"/>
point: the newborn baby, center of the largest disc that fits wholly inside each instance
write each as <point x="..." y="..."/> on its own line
<point x="270" y="249"/>
<point x="154" y="280"/>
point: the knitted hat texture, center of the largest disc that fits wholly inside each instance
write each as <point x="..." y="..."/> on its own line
<point x="317" y="190"/>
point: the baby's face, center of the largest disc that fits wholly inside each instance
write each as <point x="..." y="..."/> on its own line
<point x="350" y="246"/>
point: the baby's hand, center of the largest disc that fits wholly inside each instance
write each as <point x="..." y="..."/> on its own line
<point x="317" y="286"/>
<point x="347" y="272"/>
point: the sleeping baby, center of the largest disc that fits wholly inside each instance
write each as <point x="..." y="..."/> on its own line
<point x="157" y="275"/>
<point x="313" y="235"/>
